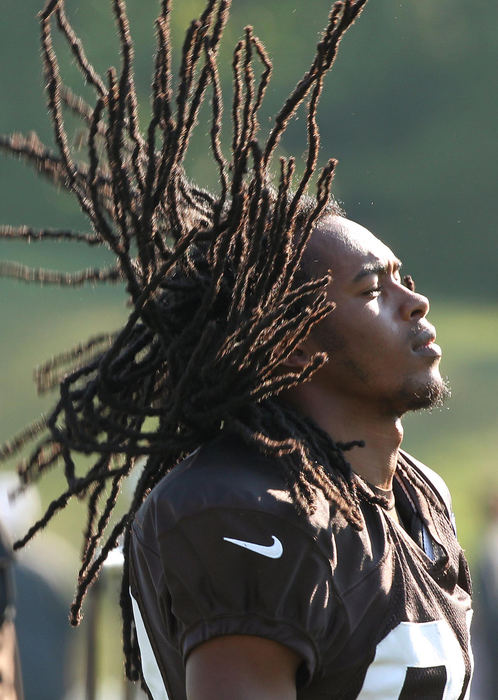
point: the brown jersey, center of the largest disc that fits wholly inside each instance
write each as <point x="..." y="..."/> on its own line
<point x="377" y="614"/>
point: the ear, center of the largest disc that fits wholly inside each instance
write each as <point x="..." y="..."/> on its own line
<point x="298" y="358"/>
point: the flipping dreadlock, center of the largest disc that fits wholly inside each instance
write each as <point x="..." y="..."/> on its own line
<point x="217" y="289"/>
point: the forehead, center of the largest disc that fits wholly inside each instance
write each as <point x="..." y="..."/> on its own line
<point x="344" y="247"/>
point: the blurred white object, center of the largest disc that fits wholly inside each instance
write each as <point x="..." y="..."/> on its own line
<point x="19" y="513"/>
<point x="115" y="558"/>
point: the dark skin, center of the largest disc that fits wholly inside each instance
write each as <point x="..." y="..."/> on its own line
<point x="241" y="667"/>
<point x="383" y="362"/>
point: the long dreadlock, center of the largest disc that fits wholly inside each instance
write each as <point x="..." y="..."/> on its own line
<point x="216" y="283"/>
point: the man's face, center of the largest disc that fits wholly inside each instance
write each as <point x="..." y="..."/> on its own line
<point x="380" y="345"/>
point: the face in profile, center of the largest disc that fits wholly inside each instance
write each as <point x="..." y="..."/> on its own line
<point x="380" y="344"/>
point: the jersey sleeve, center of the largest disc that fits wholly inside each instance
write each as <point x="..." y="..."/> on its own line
<point x="234" y="571"/>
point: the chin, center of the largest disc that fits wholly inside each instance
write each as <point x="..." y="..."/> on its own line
<point x="431" y="394"/>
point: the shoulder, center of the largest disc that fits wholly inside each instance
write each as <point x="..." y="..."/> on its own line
<point x="224" y="475"/>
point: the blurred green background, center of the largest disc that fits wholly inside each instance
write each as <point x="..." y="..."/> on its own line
<point x="410" y="110"/>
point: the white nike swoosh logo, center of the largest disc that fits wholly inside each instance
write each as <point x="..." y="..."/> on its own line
<point x="273" y="551"/>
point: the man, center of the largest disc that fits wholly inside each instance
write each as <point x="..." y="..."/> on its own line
<point x="10" y="669"/>
<point x="265" y="564"/>
<point x="258" y="600"/>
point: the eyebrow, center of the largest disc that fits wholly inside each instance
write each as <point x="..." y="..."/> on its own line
<point x="377" y="268"/>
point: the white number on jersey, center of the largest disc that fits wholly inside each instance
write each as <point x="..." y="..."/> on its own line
<point x="409" y="651"/>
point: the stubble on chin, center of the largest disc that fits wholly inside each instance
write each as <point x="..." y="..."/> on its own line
<point x="432" y="394"/>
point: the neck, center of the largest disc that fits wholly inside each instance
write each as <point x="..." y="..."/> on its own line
<point x="347" y="419"/>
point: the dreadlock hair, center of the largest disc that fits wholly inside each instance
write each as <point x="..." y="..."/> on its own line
<point x="217" y="290"/>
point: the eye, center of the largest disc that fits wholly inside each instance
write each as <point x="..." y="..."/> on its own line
<point x="373" y="291"/>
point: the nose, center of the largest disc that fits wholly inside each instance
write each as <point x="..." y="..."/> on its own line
<point x="414" y="306"/>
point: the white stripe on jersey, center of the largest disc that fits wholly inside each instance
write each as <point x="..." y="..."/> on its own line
<point x="150" y="669"/>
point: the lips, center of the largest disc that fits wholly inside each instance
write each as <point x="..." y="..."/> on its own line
<point x="425" y="345"/>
